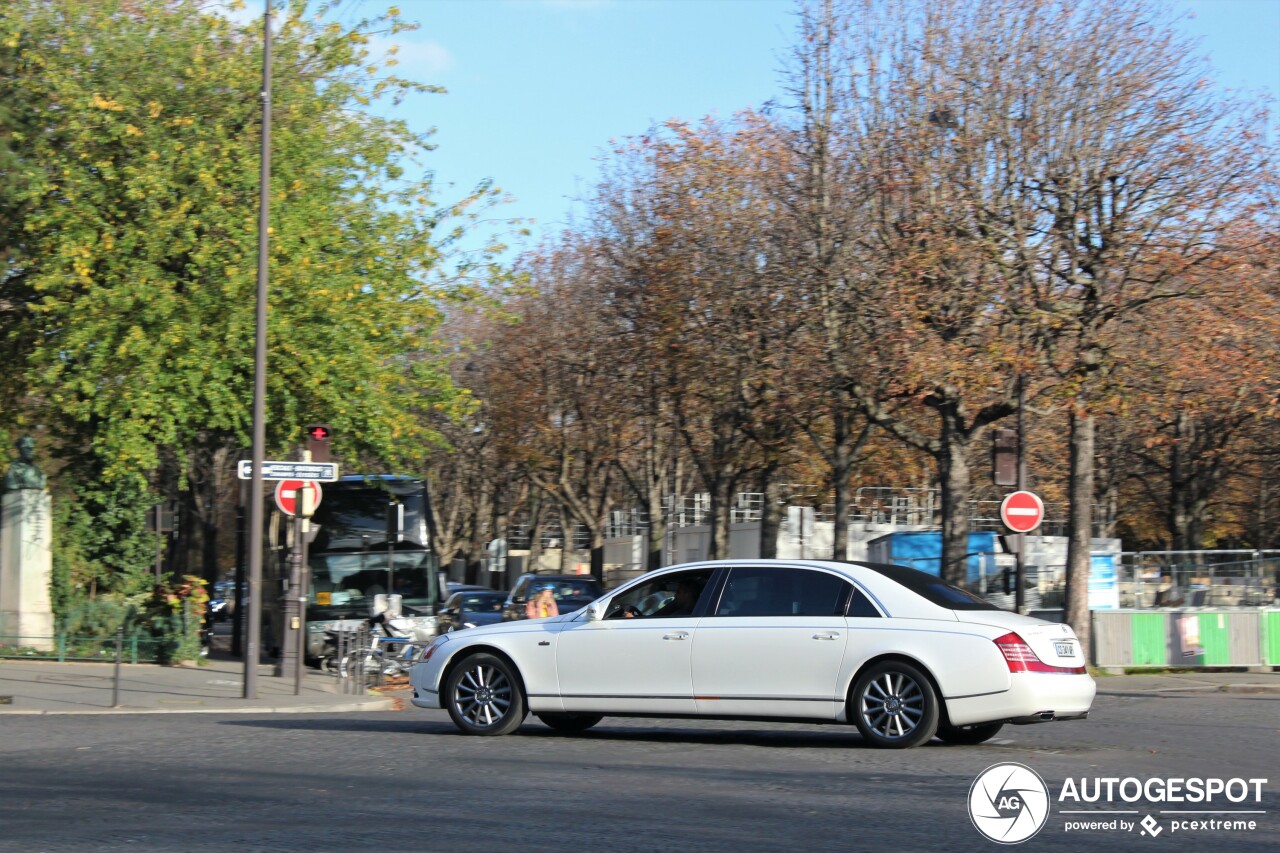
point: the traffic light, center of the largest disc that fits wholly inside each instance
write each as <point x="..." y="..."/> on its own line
<point x="318" y="442"/>
<point x="1004" y="457"/>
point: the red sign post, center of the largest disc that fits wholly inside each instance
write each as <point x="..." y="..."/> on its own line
<point x="289" y="495"/>
<point x="1022" y="512"/>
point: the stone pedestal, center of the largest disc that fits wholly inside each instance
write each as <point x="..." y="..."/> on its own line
<point x="26" y="532"/>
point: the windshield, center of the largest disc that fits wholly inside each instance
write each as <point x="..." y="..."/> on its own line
<point x="564" y="589"/>
<point x="480" y="602"/>
<point x="932" y="588"/>
<point x="350" y="581"/>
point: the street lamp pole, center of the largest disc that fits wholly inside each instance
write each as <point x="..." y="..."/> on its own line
<point x="252" y="652"/>
<point x="1020" y="579"/>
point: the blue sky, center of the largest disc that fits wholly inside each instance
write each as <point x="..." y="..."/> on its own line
<point x="537" y="88"/>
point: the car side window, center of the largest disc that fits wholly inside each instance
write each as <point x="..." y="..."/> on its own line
<point x="521" y="590"/>
<point x="668" y="596"/>
<point x="861" y="606"/>
<point x="772" y="591"/>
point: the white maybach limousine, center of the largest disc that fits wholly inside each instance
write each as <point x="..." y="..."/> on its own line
<point x="898" y="653"/>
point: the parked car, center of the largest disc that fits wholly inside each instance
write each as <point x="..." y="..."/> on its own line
<point x="898" y="653"/>
<point x="222" y="601"/>
<point x="571" y="592"/>
<point x="472" y="608"/>
<point x="458" y="586"/>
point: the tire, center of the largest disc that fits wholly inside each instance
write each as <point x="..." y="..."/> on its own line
<point x="968" y="735"/>
<point x="569" y="724"/>
<point x="483" y="696"/>
<point x="894" y="706"/>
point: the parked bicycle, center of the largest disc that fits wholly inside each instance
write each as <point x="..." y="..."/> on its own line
<point x="384" y="647"/>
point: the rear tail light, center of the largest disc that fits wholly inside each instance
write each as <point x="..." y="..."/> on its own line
<point x="1020" y="657"/>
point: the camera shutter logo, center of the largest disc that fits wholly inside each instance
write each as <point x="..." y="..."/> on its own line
<point x="1008" y="803"/>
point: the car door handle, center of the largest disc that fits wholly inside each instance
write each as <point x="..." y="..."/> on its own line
<point x="676" y="635"/>
<point x="829" y="635"/>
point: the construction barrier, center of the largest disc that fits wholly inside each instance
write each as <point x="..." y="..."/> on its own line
<point x="1180" y="637"/>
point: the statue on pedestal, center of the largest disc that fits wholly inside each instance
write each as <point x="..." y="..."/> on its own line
<point x="23" y="473"/>
<point x="25" y="553"/>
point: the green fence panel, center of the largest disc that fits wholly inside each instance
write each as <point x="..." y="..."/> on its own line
<point x="1271" y="631"/>
<point x="1215" y="636"/>
<point x="1150" y="639"/>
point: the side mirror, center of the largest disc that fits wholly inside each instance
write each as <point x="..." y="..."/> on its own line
<point x="595" y="611"/>
<point x="517" y="599"/>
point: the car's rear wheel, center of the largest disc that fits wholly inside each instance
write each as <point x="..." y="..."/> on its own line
<point x="483" y="696"/>
<point x="570" y="724"/>
<point x="894" y="706"/>
<point x="968" y="734"/>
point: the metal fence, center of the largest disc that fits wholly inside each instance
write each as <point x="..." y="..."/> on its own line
<point x="135" y="648"/>
<point x="1209" y="578"/>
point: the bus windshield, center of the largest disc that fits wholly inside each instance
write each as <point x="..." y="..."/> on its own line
<point x="350" y="581"/>
<point x="351" y="560"/>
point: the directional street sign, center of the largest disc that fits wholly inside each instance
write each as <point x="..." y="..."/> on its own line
<point x="1022" y="512"/>
<point x="320" y="472"/>
<point x="289" y="496"/>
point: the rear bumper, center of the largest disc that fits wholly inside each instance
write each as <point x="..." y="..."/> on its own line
<point x="1031" y="698"/>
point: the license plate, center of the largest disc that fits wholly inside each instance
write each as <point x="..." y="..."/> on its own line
<point x="1065" y="649"/>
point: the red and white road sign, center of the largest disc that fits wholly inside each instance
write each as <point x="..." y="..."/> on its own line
<point x="1022" y="512"/>
<point x="289" y="495"/>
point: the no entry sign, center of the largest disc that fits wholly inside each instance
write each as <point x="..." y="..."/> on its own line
<point x="289" y="495"/>
<point x="1022" y="512"/>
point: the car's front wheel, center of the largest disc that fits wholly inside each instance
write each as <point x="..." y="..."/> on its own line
<point x="968" y="735"/>
<point x="570" y="724"/>
<point x="894" y="706"/>
<point x="483" y="696"/>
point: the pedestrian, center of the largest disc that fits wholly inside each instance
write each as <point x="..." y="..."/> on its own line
<point x="543" y="604"/>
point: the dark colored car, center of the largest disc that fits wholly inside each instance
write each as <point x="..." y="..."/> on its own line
<point x="471" y="607"/>
<point x="571" y="592"/>
<point x="222" y="601"/>
<point x="458" y="586"/>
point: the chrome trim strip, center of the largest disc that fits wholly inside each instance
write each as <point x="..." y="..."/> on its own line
<point x="975" y="695"/>
<point x="679" y="696"/>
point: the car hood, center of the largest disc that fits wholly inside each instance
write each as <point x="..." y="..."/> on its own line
<point x="481" y="618"/>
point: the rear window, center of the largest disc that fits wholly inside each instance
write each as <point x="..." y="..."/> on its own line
<point x="932" y="588"/>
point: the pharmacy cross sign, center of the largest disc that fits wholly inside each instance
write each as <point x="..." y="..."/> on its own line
<point x="1022" y="512"/>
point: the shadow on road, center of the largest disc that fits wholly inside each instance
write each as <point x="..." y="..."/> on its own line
<point x="835" y="736"/>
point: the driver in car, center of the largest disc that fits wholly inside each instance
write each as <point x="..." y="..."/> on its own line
<point x="682" y="604"/>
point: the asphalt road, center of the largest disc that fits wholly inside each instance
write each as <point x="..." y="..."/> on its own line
<point x="404" y="780"/>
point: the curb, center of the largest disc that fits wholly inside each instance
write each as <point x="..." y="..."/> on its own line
<point x="1205" y="688"/>
<point x="371" y="705"/>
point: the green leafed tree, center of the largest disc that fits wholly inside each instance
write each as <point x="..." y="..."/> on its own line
<point x="128" y="308"/>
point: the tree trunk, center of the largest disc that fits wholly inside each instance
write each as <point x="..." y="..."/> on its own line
<point x="597" y="553"/>
<point x="1080" y="491"/>
<point x="844" y="453"/>
<point x="769" y="516"/>
<point x="657" y="533"/>
<point x="956" y="481"/>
